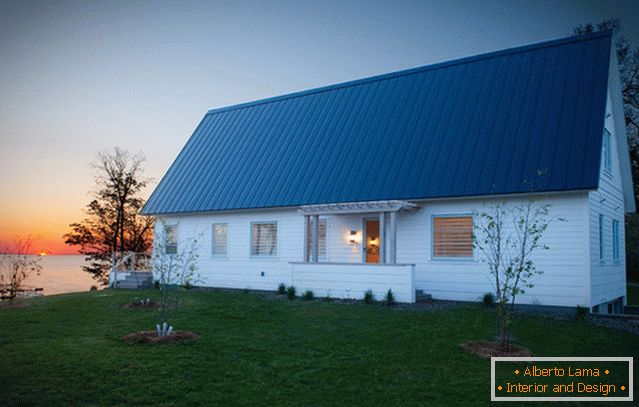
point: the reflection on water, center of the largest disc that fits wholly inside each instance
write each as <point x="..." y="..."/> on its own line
<point x="61" y="274"/>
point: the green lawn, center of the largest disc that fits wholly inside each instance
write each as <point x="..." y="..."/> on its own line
<point x="262" y="351"/>
<point x="633" y="294"/>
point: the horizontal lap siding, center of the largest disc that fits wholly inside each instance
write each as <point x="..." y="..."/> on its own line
<point x="608" y="277"/>
<point x="238" y="269"/>
<point x="565" y="280"/>
<point x="352" y="281"/>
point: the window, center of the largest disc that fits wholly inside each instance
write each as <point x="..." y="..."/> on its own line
<point x="601" y="237"/>
<point x="607" y="151"/>
<point x="615" y="240"/>
<point x="321" y="238"/>
<point x="170" y="239"/>
<point x="219" y="239"/>
<point x="264" y="239"/>
<point x="453" y="237"/>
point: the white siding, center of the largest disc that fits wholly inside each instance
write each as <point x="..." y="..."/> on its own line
<point x="566" y="278"/>
<point x="353" y="280"/>
<point x="608" y="276"/>
<point x="238" y="269"/>
<point x="565" y="281"/>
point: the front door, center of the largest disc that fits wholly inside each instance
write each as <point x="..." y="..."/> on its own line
<point x="371" y="233"/>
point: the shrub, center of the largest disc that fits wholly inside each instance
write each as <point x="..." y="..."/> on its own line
<point x="281" y="289"/>
<point x="581" y="313"/>
<point x="156" y="284"/>
<point x="308" y="295"/>
<point x="390" y="298"/>
<point x="488" y="299"/>
<point x="188" y="285"/>
<point x="369" y="298"/>
<point x="291" y="293"/>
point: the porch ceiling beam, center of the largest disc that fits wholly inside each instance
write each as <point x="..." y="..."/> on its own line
<point x="357" y="207"/>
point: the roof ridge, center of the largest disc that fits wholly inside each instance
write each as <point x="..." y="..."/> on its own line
<point x="424" y="68"/>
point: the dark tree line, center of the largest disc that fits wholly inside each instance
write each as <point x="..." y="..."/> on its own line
<point x="628" y="61"/>
<point x="113" y="223"/>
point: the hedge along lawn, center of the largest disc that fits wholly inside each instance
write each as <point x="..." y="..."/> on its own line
<point x="259" y="350"/>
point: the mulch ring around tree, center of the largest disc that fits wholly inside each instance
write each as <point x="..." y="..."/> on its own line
<point x="142" y="304"/>
<point x="487" y="349"/>
<point x="152" y="337"/>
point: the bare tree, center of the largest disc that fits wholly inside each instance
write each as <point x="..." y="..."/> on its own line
<point x="17" y="263"/>
<point x="507" y="239"/>
<point x="174" y="270"/>
<point x="113" y="223"/>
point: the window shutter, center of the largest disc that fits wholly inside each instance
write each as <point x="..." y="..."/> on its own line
<point x="453" y="236"/>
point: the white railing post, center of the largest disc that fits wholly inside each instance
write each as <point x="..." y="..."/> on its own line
<point x="114" y="272"/>
<point x="382" y="237"/>
<point x="306" y="236"/>
<point x="393" y="237"/>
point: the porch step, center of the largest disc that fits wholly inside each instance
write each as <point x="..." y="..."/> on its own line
<point x="137" y="281"/>
<point x="421" y="297"/>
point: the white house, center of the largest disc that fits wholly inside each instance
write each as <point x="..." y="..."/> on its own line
<point x="371" y="184"/>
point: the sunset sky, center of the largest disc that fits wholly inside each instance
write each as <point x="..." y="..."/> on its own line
<point x="79" y="77"/>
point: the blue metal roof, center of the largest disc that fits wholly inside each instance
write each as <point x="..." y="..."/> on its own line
<point x="488" y="124"/>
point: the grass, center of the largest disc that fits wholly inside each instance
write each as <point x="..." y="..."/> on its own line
<point x="258" y="350"/>
<point x="633" y="294"/>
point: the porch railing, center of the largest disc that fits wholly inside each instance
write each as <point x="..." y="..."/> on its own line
<point x="129" y="262"/>
<point x="352" y="280"/>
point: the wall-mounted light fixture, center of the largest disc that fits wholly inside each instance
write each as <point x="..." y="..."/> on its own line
<point x="352" y="237"/>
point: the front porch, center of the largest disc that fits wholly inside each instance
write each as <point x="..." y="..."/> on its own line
<point x="372" y="246"/>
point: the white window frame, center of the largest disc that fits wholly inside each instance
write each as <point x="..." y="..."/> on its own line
<point x="277" y="240"/>
<point x="471" y="258"/>
<point x="165" y="238"/>
<point x="616" y="247"/>
<point x="226" y="243"/>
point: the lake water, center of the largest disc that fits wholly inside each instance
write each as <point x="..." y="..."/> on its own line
<point x="62" y="274"/>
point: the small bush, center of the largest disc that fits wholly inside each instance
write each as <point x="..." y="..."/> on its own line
<point x="188" y="285"/>
<point x="581" y="313"/>
<point x="488" y="299"/>
<point x="390" y="298"/>
<point x="308" y="295"/>
<point x="369" y="298"/>
<point x="281" y="289"/>
<point x="156" y="284"/>
<point x="291" y="293"/>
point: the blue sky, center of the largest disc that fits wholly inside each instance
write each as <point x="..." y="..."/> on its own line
<point x="77" y="77"/>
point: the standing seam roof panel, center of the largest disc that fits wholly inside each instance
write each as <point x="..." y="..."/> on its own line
<point x="477" y="126"/>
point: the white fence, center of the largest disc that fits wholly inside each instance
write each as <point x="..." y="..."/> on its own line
<point x="126" y="264"/>
<point x="352" y="280"/>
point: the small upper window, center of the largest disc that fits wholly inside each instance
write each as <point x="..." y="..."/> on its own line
<point x="170" y="239"/>
<point x="264" y="239"/>
<point x="615" y="240"/>
<point x="219" y="239"/>
<point x="607" y="151"/>
<point x="453" y="237"/>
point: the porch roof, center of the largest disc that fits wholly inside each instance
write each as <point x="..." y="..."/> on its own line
<point x="357" y="207"/>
